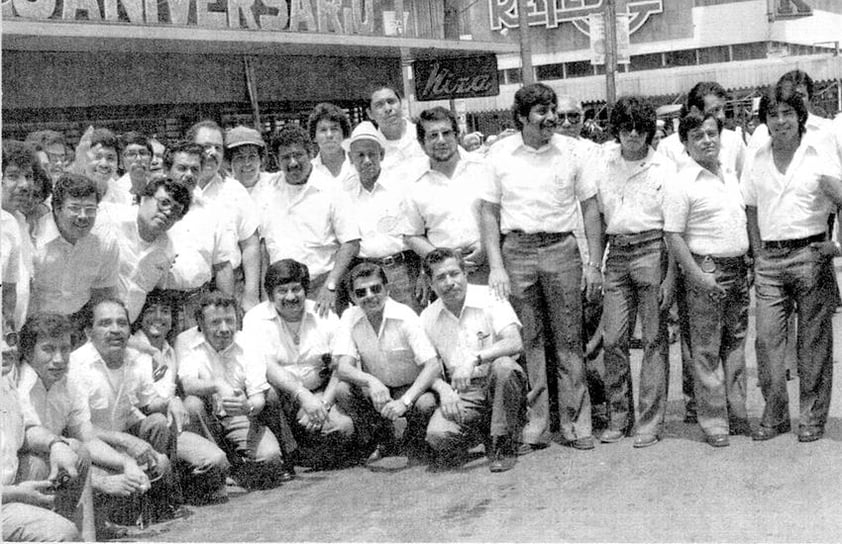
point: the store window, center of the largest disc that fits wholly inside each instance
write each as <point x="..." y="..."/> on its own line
<point x="651" y="61"/>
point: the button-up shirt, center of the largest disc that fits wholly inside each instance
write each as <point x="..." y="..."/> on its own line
<point x="732" y="150"/>
<point x="162" y="368"/>
<point x="113" y="395"/>
<point x="27" y="250"/>
<point x="446" y="210"/>
<point x="65" y="273"/>
<point x="790" y="205"/>
<point x="308" y="223"/>
<point x="347" y="173"/>
<point x="630" y="192"/>
<point x="274" y="341"/>
<point x="401" y="152"/>
<point x="58" y="408"/>
<point x="12" y="430"/>
<point x="537" y="189"/>
<point x="10" y="250"/>
<point x="479" y="325"/>
<point x="395" y="353"/>
<point x="232" y="198"/>
<point x="238" y="364"/>
<point x="814" y="127"/>
<point x="709" y="211"/>
<point x="380" y="214"/>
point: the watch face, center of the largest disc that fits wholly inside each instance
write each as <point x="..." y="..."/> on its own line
<point x="331" y="286"/>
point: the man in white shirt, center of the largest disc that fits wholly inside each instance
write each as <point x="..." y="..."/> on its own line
<point x="245" y="152"/>
<point x="135" y="156"/>
<point x="99" y="153"/>
<point x="329" y="127"/>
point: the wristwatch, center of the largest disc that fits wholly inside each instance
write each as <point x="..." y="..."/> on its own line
<point x="406" y="402"/>
<point x="478" y="360"/>
<point x="331" y="286"/>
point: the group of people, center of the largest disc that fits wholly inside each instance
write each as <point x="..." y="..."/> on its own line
<point x="199" y="319"/>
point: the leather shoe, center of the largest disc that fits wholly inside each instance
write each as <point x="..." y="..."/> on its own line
<point x="503" y="455"/>
<point x="526" y="449"/>
<point x="111" y="531"/>
<point x="287" y="473"/>
<point x="765" y="433"/>
<point x="611" y="436"/>
<point x="810" y="435"/>
<point x="375" y="456"/>
<point x="645" y="440"/>
<point x="584" y="443"/>
<point x="718" y="440"/>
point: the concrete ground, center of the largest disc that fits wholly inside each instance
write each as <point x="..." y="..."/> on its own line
<point x="678" y="490"/>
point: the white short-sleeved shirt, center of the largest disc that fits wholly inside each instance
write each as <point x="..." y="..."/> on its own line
<point x="12" y="430"/>
<point x="790" y="205"/>
<point x="165" y="378"/>
<point x="538" y="190"/>
<point x="308" y="223"/>
<point x="347" y="173"/>
<point x="119" y="191"/>
<point x="402" y="152"/>
<point x="27" y="250"/>
<point x="232" y="198"/>
<point x="814" y="126"/>
<point x="732" y="150"/>
<point x="114" y="396"/>
<point x="57" y="408"/>
<point x="708" y="210"/>
<point x="10" y="250"/>
<point x="380" y="214"/>
<point x="394" y="354"/>
<point x="630" y="193"/>
<point x="65" y="273"/>
<point x="273" y="341"/>
<point x="479" y="325"/>
<point x="239" y="365"/>
<point x="446" y="210"/>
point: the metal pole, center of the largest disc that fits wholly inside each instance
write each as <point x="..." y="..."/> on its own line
<point x="527" y="74"/>
<point x="251" y="85"/>
<point x="610" y="53"/>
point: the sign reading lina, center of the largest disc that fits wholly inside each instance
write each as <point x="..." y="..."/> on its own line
<point x="327" y="16"/>
<point x="444" y="79"/>
<point x="551" y="13"/>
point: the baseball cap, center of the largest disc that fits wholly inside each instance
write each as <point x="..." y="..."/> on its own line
<point x="364" y="131"/>
<point x="241" y="135"/>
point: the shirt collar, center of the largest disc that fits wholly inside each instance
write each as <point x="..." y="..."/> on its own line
<point x="473" y="299"/>
<point x="49" y="233"/>
<point x="199" y="340"/>
<point x="390" y="311"/>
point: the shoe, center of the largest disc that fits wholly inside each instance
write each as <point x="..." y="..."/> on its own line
<point x="810" y="435"/>
<point x="287" y="473"/>
<point x="584" y="443"/>
<point x="765" y="433"/>
<point x="610" y="436"/>
<point x="739" y="427"/>
<point x="645" y="440"/>
<point x="503" y="456"/>
<point x="526" y="449"/>
<point x="718" y="440"/>
<point x="375" y="456"/>
<point x="691" y="418"/>
<point x="111" y="531"/>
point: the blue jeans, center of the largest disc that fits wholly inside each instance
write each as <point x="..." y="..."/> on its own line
<point x="633" y="276"/>
<point x="803" y="276"/>
<point x="718" y="336"/>
<point x="545" y="271"/>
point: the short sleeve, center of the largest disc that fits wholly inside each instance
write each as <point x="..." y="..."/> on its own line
<point x="747" y="182"/>
<point x="109" y="266"/>
<point x="492" y="189"/>
<point x="343" y="340"/>
<point x="345" y="225"/>
<point x="255" y="369"/>
<point x="417" y="339"/>
<point x="502" y="315"/>
<point x="676" y="206"/>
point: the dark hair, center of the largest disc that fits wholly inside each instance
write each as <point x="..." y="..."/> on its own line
<point x="798" y="77"/>
<point x="530" y="96"/>
<point x="76" y="186"/>
<point x="42" y="326"/>
<point x="89" y="309"/>
<point x="783" y="94"/>
<point x="19" y="154"/>
<point x="286" y="271"/>
<point x="177" y="191"/>
<point x="328" y="112"/>
<point x="379" y="87"/>
<point x="696" y="96"/>
<point x="291" y="134"/>
<point x="181" y="146"/>
<point x="193" y="131"/>
<point x="366" y="270"/>
<point x="135" y="138"/>
<point x="105" y="138"/>
<point x="157" y="297"/>
<point x="215" y="298"/>
<point x="694" y="120"/>
<point x="228" y="152"/>
<point x="436" y="113"/>
<point x="439" y="255"/>
<point x="633" y="112"/>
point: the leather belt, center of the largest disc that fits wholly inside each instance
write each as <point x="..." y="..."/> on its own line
<point x="544" y="236"/>
<point x="796" y="243"/>
<point x="391" y="260"/>
<point x="719" y="263"/>
<point x="627" y="240"/>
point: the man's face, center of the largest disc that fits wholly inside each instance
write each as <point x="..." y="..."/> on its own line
<point x="136" y="159"/>
<point x="703" y="143"/>
<point x="56" y="160"/>
<point x="186" y="168"/>
<point x="294" y="161"/>
<point x="156" y="164"/>
<point x="715" y="105"/>
<point x="449" y="282"/>
<point x="102" y="165"/>
<point x="539" y="125"/>
<point x="366" y="155"/>
<point x="109" y="332"/>
<point x="385" y="108"/>
<point x="289" y="299"/>
<point x="50" y="357"/>
<point x="76" y="217"/>
<point x="328" y="135"/>
<point x="211" y="140"/>
<point x="245" y="164"/>
<point x="10" y="356"/>
<point x="370" y="294"/>
<point x="633" y="141"/>
<point x="440" y="141"/>
<point x="156" y="321"/>
<point x="159" y="212"/>
<point x="17" y="187"/>
<point x="219" y="323"/>
<point x="783" y="123"/>
<point x="570" y="118"/>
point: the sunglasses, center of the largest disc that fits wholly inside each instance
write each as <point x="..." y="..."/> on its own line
<point x="572" y="117"/>
<point x="375" y="289"/>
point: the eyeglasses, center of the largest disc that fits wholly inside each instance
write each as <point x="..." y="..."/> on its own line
<point x="284" y="291"/>
<point x="135" y="153"/>
<point x="168" y="205"/>
<point x="75" y="209"/>
<point x="375" y="289"/>
<point x="572" y="116"/>
<point x="56" y="158"/>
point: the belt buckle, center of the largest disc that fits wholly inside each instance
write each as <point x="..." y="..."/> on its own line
<point x="708" y="265"/>
<point x="388" y="261"/>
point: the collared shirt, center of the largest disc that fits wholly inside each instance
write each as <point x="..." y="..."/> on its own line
<point x="814" y="126"/>
<point x="239" y="365"/>
<point x="732" y="150"/>
<point x="118" y="191"/>
<point x="708" y="210"/>
<point x="142" y="264"/>
<point x="27" y="250"/>
<point x="200" y="240"/>
<point x="113" y="395"/>
<point x="587" y="150"/>
<point x="12" y="430"/>
<point x="57" y="408"/>
<point x="380" y="214"/>
<point x="347" y="173"/>
<point x="446" y="210"/>
<point x="790" y="205"/>
<point x="479" y="325"/>
<point x="265" y="186"/>
<point x="10" y="249"/>
<point x="232" y="198"/>
<point x="395" y="353"/>
<point x="65" y="273"/>
<point x="630" y="193"/>
<point x="162" y="368"/>
<point x="274" y="341"/>
<point x="537" y="189"/>
<point x="403" y="151"/>
<point x="308" y="223"/>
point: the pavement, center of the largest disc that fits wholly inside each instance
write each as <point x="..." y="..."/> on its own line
<point x="680" y="490"/>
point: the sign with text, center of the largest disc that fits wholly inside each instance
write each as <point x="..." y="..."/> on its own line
<point x="467" y="77"/>
<point x="551" y="13"/>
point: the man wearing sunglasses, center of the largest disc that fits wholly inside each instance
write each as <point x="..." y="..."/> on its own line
<point x="384" y="354"/>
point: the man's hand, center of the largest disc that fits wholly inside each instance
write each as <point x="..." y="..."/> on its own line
<point x="119" y="485"/>
<point x="177" y="415"/>
<point x="498" y="281"/>
<point x="706" y="284"/>
<point x="393" y="410"/>
<point x="379" y="394"/>
<point x="34" y="492"/>
<point x="461" y="379"/>
<point x="63" y="459"/>
<point x="141" y="451"/>
<point x="593" y="283"/>
<point x="135" y="477"/>
<point x="422" y="289"/>
<point x="236" y="405"/>
<point x="313" y="412"/>
<point x="666" y="293"/>
<point x="474" y="257"/>
<point x="827" y="249"/>
<point x="451" y="406"/>
<point x="249" y="301"/>
<point x="325" y="301"/>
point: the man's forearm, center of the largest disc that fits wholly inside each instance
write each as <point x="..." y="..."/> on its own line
<point x="593" y="229"/>
<point x="344" y="255"/>
<point x="250" y="248"/>
<point x="681" y="254"/>
<point x="490" y="231"/>
<point x="224" y="278"/>
<point x="419" y="244"/>
<point x="429" y="374"/>
<point x="347" y="372"/>
<point x="753" y="230"/>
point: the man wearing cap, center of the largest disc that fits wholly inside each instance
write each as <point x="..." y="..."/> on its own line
<point x="377" y="203"/>
<point x="245" y="153"/>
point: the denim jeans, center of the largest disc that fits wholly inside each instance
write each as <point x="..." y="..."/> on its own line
<point x="545" y="271"/>
<point x="718" y="335"/>
<point x="633" y="276"/>
<point x="803" y="276"/>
